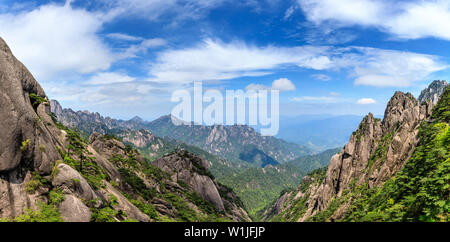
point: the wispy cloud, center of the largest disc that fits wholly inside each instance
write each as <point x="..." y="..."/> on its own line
<point x="215" y="60"/>
<point x="364" y="101"/>
<point x="321" y="77"/>
<point x="326" y="99"/>
<point x="282" y="84"/>
<point x="403" y="19"/>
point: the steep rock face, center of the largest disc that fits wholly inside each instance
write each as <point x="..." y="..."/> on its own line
<point x="191" y="170"/>
<point x="376" y="151"/>
<point x="433" y="91"/>
<point x="22" y="130"/>
<point x="28" y="140"/>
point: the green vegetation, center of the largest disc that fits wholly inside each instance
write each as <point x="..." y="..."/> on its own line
<point x="36" y="100"/>
<point x="24" y="145"/>
<point x="36" y="182"/>
<point x="310" y="163"/>
<point x="257" y="187"/>
<point x="298" y="207"/>
<point x="419" y="192"/>
<point x="48" y="212"/>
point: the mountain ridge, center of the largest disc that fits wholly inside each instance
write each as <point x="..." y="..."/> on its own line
<point x="365" y="167"/>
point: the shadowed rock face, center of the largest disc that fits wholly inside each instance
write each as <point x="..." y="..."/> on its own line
<point x="20" y="121"/>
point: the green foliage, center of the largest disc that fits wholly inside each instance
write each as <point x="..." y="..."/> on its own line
<point x="24" y="145"/>
<point x="79" y="158"/>
<point x="106" y="214"/>
<point x="421" y="190"/>
<point x="146" y="208"/>
<point x="258" y="187"/>
<point x="47" y="212"/>
<point x="136" y="183"/>
<point x="298" y="206"/>
<point x="56" y="197"/>
<point x="310" y="163"/>
<point x="36" y="182"/>
<point x="36" y="100"/>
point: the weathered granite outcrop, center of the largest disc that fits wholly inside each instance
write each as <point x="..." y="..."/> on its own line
<point x="375" y="152"/>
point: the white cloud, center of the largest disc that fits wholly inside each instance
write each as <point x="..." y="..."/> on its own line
<point x="56" y="39"/>
<point x="124" y="37"/>
<point x="321" y="77"/>
<point x="214" y="60"/>
<point x="383" y="68"/>
<point x="282" y="84"/>
<point x="134" y="50"/>
<point x="155" y="9"/>
<point x="405" y="19"/>
<point x="109" y="78"/>
<point x="366" y="101"/>
<point x="289" y="12"/>
<point x="334" y="94"/>
<point x="326" y="99"/>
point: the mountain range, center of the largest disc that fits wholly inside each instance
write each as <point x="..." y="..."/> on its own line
<point x="62" y="165"/>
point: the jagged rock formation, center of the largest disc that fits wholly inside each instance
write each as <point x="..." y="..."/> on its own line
<point x="433" y="91"/>
<point x="192" y="170"/>
<point x="376" y="151"/>
<point x="227" y="141"/>
<point x="50" y="173"/>
<point x="89" y="123"/>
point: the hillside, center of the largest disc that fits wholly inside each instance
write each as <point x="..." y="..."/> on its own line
<point x="51" y="173"/>
<point x="309" y="163"/>
<point x="258" y="187"/>
<point x="395" y="169"/>
<point x="230" y="142"/>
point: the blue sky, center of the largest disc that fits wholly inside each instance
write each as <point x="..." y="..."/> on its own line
<point x="124" y="58"/>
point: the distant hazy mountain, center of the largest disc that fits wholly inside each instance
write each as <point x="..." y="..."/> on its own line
<point x="234" y="143"/>
<point x="309" y="163"/>
<point x="230" y="142"/>
<point x="318" y="132"/>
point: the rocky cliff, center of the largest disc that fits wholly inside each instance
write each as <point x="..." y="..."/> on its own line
<point x="29" y="138"/>
<point x="433" y="91"/>
<point x="49" y="172"/>
<point x="376" y="152"/>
